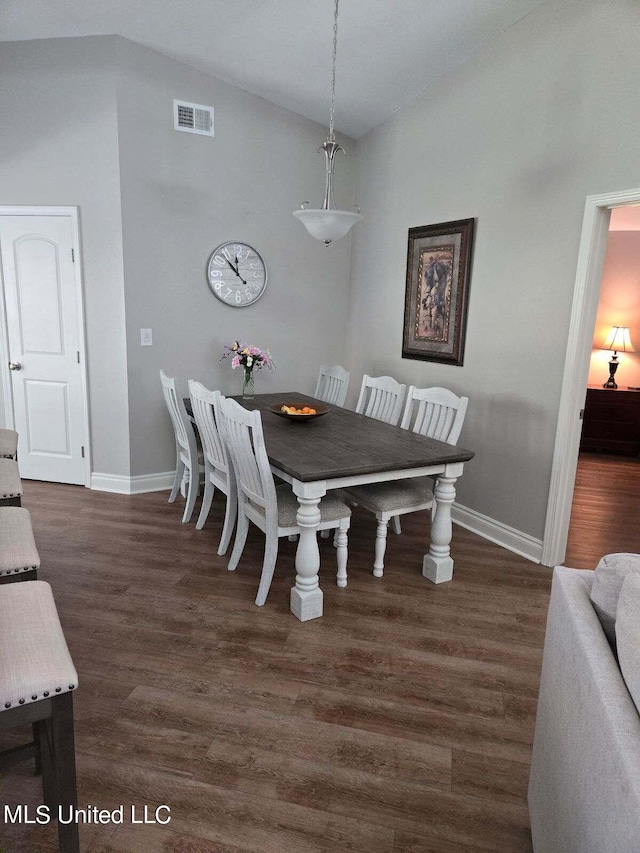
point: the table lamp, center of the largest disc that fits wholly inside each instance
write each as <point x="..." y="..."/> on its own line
<point x="618" y="340"/>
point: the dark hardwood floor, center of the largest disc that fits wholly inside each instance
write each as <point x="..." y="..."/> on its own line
<point x="605" y="509"/>
<point x="400" y="722"/>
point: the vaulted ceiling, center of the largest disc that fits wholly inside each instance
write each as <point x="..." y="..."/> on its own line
<point x="389" y="51"/>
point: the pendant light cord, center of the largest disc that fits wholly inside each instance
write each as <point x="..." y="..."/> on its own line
<point x="332" y="135"/>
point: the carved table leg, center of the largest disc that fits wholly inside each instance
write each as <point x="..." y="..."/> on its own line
<point x="437" y="565"/>
<point x="306" y="595"/>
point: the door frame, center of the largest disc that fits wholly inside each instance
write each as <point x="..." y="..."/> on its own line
<point x="586" y="296"/>
<point x="5" y="376"/>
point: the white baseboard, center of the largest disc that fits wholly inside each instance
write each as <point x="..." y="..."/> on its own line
<point x="495" y="531"/>
<point x="133" y="485"/>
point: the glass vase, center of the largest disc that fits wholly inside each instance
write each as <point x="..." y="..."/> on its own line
<point x="248" y="386"/>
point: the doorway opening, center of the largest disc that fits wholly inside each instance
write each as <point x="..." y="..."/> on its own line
<point x="580" y="364"/>
<point x="42" y="348"/>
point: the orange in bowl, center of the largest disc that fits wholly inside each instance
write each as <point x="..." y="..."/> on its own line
<point x="299" y="412"/>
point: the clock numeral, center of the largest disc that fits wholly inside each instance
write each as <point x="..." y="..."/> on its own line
<point x="227" y="254"/>
<point x="238" y="297"/>
<point x="215" y="273"/>
<point x="218" y="285"/>
<point x="256" y="275"/>
<point x="219" y="261"/>
<point x="248" y="295"/>
<point x="228" y="291"/>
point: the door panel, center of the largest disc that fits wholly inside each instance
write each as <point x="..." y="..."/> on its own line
<point x="40" y="308"/>
<point x="44" y="338"/>
<point x="48" y="417"/>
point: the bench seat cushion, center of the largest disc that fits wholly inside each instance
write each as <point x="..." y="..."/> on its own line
<point x="331" y="508"/>
<point x="18" y="552"/>
<point x="395" y="494"/>
<point x="8" y="443"/>
<point x="10" y="482"/>
<point x="35" y="663"/>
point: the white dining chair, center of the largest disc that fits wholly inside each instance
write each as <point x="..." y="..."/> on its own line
<point x="381" y="398"/>
<point x="333" y="383"/>
<point x="218" y="471"/>
<point x="433" y="412"/>
<point x="186" y="446"/>
<point x="273" y="509"/>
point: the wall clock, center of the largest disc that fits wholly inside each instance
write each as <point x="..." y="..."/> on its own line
<point x="237" y="275"/>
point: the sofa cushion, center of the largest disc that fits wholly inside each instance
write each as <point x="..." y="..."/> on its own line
<point x="628" y="635"/>
<point x="610" y="574"/>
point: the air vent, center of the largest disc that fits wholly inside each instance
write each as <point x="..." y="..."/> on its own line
<point x="193" y="118"/>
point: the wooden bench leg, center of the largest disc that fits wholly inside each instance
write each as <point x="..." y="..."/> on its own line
<point x="64" y="770"/>
<point x="46" y="763"/>
<point x="36" y="739"/>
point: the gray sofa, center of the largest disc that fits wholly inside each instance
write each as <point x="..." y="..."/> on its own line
<point x="584" y="789"/>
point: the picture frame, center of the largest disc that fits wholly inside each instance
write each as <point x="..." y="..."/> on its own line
<point x="437" y="291"/>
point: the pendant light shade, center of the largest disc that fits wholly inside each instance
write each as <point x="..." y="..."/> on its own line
<point x="328" y="223"/>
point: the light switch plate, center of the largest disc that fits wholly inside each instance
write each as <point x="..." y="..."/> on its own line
<point x="146" y="338"/>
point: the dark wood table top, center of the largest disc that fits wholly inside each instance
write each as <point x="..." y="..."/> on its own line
<point x="342" y="443"/>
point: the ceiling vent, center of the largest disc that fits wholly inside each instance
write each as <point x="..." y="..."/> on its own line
<point x="193" y="118"/>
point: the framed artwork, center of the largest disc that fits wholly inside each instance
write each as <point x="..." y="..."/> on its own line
<point x="435" y="307"/>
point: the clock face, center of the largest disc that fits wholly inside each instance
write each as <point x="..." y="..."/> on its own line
<point x="237" y="274"/>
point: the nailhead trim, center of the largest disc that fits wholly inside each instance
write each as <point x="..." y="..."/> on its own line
<point x="21" y="701"/>
<point x="46" y="693"/>
<point x="34" y="697"/>
<point x="7" y="704"/>
<point x="16" y="571"/>
<point x="58" y="689"/>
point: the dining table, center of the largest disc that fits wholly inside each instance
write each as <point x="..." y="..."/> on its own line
<point x="343" y="448"/>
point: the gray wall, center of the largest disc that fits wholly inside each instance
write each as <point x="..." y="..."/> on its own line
<point x="59" y="146"/>
<point x="516" y="137"/>
<point x="182" y="195"/>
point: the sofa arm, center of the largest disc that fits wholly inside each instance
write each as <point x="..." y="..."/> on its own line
<point x="584" y="788"/>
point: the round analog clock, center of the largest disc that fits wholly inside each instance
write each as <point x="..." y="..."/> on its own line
<point x="237" y="275"/>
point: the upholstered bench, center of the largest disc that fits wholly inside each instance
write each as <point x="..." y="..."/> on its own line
<point x="8" y="443"/>
<point x="19" y="558"/>
<point x="37" y="677"/>
<point x="10" y="483"/>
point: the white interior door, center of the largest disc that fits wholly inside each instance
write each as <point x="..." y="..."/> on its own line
<point x="45" y="343"/>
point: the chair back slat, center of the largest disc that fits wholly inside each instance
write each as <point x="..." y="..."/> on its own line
<point x="381" y="398"/>
<point x="333" y="382"/>
<point x="436" y="413"/>
<point x="242" y="432"/>
<point x="182" y="426"/>
<point x="203" y="403"/>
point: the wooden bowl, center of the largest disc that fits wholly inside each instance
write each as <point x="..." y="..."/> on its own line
<point x="320" y="411"/>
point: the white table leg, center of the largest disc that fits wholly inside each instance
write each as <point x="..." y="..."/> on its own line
<point x="437" y="565"/>
<point x="306" y="595"/>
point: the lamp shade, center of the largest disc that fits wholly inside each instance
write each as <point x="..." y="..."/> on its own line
<point x="327" y="225"/>
<point x="618" y="340"/>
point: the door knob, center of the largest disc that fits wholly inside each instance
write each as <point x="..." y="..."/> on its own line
<point x="15" y="365"/>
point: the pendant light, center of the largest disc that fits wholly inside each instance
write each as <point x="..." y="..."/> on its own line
<point x="328" y="223"/>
